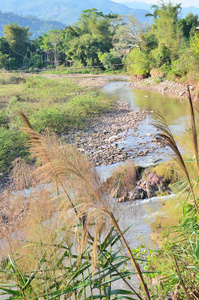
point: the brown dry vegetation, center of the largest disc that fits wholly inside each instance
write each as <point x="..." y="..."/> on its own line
<point x="123" y="180"/>
<point x="67" y="201"/>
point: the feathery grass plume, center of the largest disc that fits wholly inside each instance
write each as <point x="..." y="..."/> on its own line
<point x="78" y="183"/>
<point x="193" y="128"/>
<point x="22" y="175"/>
<point x="166" y="137"/>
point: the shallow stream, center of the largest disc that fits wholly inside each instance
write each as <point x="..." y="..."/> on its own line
<point x="141" y="212"/>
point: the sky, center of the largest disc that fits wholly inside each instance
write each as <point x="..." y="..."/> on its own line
<point x="185" y="3"/>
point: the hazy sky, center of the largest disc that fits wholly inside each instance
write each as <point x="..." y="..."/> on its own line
<point x="184" y="2"/>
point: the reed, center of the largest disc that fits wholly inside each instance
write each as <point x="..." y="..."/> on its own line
<point x="63" y="166"/>
<point x="59" y="235"/>
<point x="177" y="260"/>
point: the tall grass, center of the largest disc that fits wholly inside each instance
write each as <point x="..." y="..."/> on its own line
<point x="62" y="232"/>
<point x="177" y="262"/>
<point x="123" y="180"/>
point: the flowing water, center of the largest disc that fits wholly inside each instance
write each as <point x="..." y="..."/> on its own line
<point x="141" y="212"/>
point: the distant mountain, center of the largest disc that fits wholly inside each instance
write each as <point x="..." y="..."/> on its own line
<point x="191" y="9"/>
<point x="67" y="11"/>
<point x="138" y="5"/>
<point x="37" y="26"/>
<point x="141" y="5"/>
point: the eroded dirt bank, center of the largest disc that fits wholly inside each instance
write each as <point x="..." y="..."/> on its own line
<point x="172" y="88"/>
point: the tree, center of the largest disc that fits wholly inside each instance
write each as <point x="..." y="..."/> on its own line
<point x="169" y="9"/>
<point x="3" y="60"/>
<point x="85" y="49"/>
<point x="166" y="30"/>
<point x="188" y="25"/>
<point x="18" y="40"/>
<point x="52" y="41"/>
<point x="195" y="44"/>
<point x="128" y="34"/>
<point x="89" y="36"/>
<point x="137" y="62"/>
<point x="4" y="46"/>
<point x="110" y="60"/>
<point x="95" y="22"/>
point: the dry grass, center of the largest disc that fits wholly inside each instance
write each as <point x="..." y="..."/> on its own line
<point x="22" y="175"/>
<point x="123" y="180"/>
<point x="167" y="138"/>
<point x="68" y="198"/>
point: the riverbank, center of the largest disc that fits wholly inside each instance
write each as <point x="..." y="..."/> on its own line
<point x="166" y="87"/>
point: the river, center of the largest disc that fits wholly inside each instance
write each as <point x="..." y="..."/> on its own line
<point x="141" y="212"/>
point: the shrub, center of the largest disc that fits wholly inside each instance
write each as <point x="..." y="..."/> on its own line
<point x="137" y="63"/>
<point x="110" y="60"/>
<point x="3" y="119"/>
<point x="12" y="146"/>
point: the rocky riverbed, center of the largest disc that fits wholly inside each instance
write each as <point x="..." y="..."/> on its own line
<point x="104" y="141"/>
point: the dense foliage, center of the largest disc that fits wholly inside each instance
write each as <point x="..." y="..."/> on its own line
<point x="110" y="41"/>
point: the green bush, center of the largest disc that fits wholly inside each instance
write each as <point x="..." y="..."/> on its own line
<point x="3" y="119"/>
<point x="110" y="60"/>
<point x="186" y="63"/>
<point x="138" y="63"/>
<point x="161" y="56"/>
<point x="10" y="79"/>
<point x="12" y="146"/>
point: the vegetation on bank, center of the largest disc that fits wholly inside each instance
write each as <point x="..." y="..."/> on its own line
<point x="168" y="47"/>
<point x="58" y="105"/>
<point x="130" y="182"/>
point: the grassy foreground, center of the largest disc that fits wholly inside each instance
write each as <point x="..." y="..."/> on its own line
<point x="59" y="105"/>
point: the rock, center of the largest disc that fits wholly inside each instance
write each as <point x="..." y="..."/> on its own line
<point x="113" y="139"/>
<point x="137" y="193"/>
<point x="123" y="198"/>
<point x="154" y="183"/>
<point x="81" y="150"/>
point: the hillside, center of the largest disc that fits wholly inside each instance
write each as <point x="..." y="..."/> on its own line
<point x="37" y="26"/>
<point x="144" y="6"/>
<point x="67" y="11"/>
